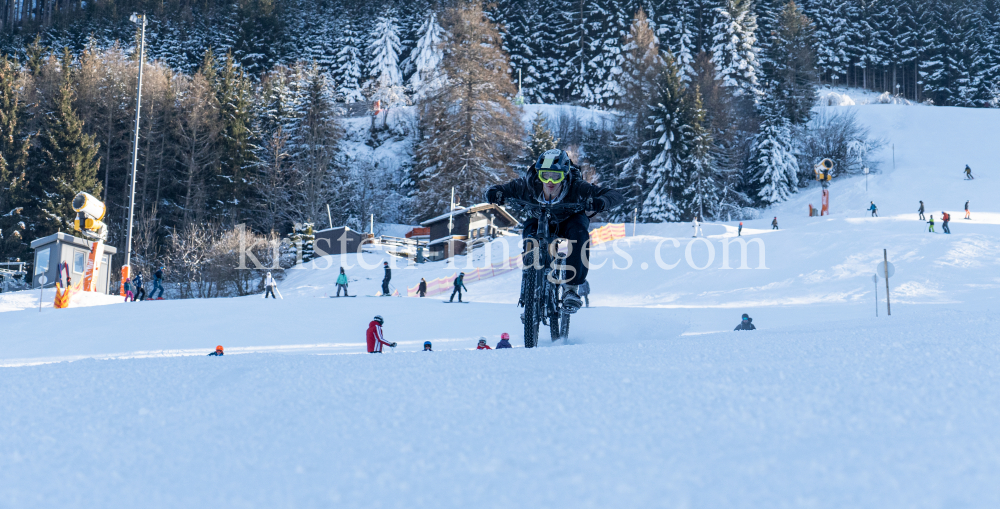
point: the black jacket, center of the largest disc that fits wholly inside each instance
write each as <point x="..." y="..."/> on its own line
<point x="575" y="190"/>
<point x="748" y="326"/>
<point x="388" y="274"/>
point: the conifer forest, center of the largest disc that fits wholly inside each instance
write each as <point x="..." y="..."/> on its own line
<point x="258" y="115"/>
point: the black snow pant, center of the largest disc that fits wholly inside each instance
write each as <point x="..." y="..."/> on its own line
<point x="944" y="226"/>
<point x="385" y="287"/>
<point x="345" y="290"/>
<point x="140" y="294"/>
<point x="922" y="218"/>
<point x="458" y="290"/>
<point x="874" y="212"/>
<point x="774" y="227"/>
<point x="576" y="228"/>
<point x="269" y="291"/>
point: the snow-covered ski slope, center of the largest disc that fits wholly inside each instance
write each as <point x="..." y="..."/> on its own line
<point x="654" y="401"/>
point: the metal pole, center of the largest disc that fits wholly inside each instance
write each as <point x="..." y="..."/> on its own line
<point x="328" y="216"/>
<point x="635" y="213"/>
<point x="885" y="257"/>
<point x="135" y="144"/>
<point x="876" y="297"/>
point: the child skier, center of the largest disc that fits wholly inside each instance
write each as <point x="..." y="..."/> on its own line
<point x="931" y="222"/>
<point x="482" y="345"/>
<point x="422" y="289"/>
<point x="739" y="231"/>
<point x="140" y="292"/>
<point x="342" y="283"/>
<point x="459" y="286"/>
<point x="128" y="290"/>
<point x="774" y="223"/>
<point x="504" y="341"/>
<point x="967" y="209"/>
<point x="269" y="285"/>
<point x="217" y="352"/>
<point x="427" y="346"/>
<point x="374" y="336"/>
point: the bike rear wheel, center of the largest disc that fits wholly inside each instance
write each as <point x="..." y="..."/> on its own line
<point x="564" y="326"/>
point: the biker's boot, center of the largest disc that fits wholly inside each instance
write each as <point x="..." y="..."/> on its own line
<point x="571" y="299"/>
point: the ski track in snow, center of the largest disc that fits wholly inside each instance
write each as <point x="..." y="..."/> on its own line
<point x="653" y="402"/>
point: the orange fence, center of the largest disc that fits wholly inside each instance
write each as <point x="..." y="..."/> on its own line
<point x="607" y="233"/>
<point x="445" y="284"/>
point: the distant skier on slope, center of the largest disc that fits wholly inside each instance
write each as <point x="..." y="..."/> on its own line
<point x="774" y="223"/>
<point x="967" y="209"/>
<point x="386" y="279"/>
<point x="140" y="292"/>
<point x="128" y="290"/>
<point x="482" y="345"/>
<point x="427" y="346"/>
<point x="422" y="288"/>
<point x="874" y="209"/>
<point x="585" y="293"/>
<point x="342" y="283"/>
<point x="921" y="211"/>
<point x="374" y="336"/>
<point x="459" y="286"/>
<point x="739" y="230"/>
<point x="217" y="353"/>
<point x="931" y="222"/>
<point x="968" y="173"/>
<point x="746" y="323"/>
<point x="945" y="217"/>
<point x="157" y="284"/>
<point x="504" y="341"/>
<point x="696" y="226"/>
<point x="269" y="285"/>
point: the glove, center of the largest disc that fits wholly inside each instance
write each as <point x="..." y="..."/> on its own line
<point x="494" y="195"/>
<point x="597" y="204"/>
<point x="393" y="345"/>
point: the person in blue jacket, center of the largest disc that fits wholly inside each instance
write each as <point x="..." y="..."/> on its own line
<point x="504" y="341"/>
<point x="746" y="324"/>
<point x="140" y="292"/>
<point x="157" y="280"/>
<point x="342" y="283"/>
<point x="459" y="286"/>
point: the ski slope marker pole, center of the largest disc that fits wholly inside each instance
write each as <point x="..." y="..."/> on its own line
<point x="885" y="257"/>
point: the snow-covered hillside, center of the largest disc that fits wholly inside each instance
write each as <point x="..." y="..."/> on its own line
<point x="653" y="402"/>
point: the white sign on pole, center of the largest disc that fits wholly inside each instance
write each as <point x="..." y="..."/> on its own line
<point x="880" y="271"/>
<point x="41" y="288"/>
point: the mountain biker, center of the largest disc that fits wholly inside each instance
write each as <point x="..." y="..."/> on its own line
<point x="552" y="179"/>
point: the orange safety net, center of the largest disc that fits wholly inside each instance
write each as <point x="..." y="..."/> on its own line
<point x="607" y="233"/>
<point x="445" y="284"/>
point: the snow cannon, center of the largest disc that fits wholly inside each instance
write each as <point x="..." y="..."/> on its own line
<point x="89" y="214"/>
<point x="824" y="173"/>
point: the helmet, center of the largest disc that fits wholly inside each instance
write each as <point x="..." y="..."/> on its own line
<point x="746" y="316"/>
<point x="218" y="348"/>
<point x="555" y="159"/>
<point x="505" y="336"/>
<point x="427" y="345"/>
<point x="482" y="341"/>
<point x="378" y="318"/>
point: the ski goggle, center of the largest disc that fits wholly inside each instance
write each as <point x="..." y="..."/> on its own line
<point x="551" y="176"/>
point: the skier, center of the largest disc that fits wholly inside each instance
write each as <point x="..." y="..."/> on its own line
<point x="427" y="346"/>
<point x="482" y="345"/>
<point x="386" y="279"/>
<point x="504" y="341"/>
<point x="945" y="217"/>
<point x="140" y="292"/>
<point x="931" y="222"/>
<point x="217" y="352"/>
<point x="967" y="210"/>
<point x="774" y="223"/>
<point x="874" y="210"/>
<point x="342" y="283"/>
<point x="739" y="231"/>
<point x="746" y="323"/>
<point x="921" y="210"/>
<point x="968" y="173"/>
<point x="459" y="286"/>
<point x="585" y="292"/>
<point x="157" y="280"/>
<point x="269" y="285"/>
<point x="128" y="290"/>
<point x="374" y="336"/>
<point x="553" y="178"/>
<point x="694" y="224"/>
<point x="422" y="289"/>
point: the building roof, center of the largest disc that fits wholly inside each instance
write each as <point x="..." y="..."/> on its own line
<point x="69" y="239"/>
<point x="472" y="210"/>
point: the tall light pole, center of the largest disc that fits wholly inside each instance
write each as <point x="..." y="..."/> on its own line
<point x="136" y="18"/>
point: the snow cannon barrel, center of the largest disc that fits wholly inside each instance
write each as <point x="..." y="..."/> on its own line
<point x="91" y="207"/>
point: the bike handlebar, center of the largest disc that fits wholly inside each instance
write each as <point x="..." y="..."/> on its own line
<point x="540" y="207"/>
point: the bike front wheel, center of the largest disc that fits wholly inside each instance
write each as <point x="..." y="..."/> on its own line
<point x="532" y="316"/>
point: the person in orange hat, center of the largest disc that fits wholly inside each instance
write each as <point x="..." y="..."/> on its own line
<point x="217" y="352"/>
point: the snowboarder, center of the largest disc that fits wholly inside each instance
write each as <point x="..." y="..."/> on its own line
<point x="874" y="209"/>
<point x="968" y="173"/>
<point x="269" y="285"/>
<point x="422" y="289"/>
<point x="128" y="290"/>
<point x="585" y="293"/>
<point x="157" y="280"/>
<point x="482" y="345"/>
<point x="945" y="217"/>
<point x="427" y="346"/>
<point x="217" y="352"/>
<point x="921" y="210"/>
<point x="459" y="286"/>
<point x="374" y="336"/>
<point x="140" y="292"/>
<point x="967" y="209"/>
<point x="739" y="231"/>
<point x="386" y="279"/>
<point x="553" y="178"/>
<point x="342" y="283"/>
<point x="931" y="222"/>
<point x="504" y="341"/>
<point x="746" y="323"/>
<point x="774" y="223"/>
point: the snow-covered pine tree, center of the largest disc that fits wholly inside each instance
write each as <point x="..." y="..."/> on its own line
<point x="675" y="28"/>
<point x="664" y="173"/>
<point x="734" y="50"/>
<point x="412" y="16"/>
<point x="383" y="51"/>
<point x="426" y="59"/>
<point x="701" y="191"/>
<point x="15" y="140"/>
<point x="605" y="65"/>
<point x="830" y="17"/>
<point x="520" y="18"/>
<point x="313" y="144"/>
<point x="946" y="72"/>
<point x="303" y="239"/>
<point x="789" y="64"/>
<point x="541" y="137"/>
<point x="775" y="166"/>
<point x="349" y="67"/>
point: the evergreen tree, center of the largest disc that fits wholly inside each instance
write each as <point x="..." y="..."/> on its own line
<point x="348" y="73"/>
<point x="426" y="78"/>
<point x="700" y="194"/>
<point x="383" y="66"/>
<point x="66" y="161"/>
<point x="14" y="143"/>
<point x="236" y="151"/>
<point x="668" y="144"/>
<point x="313" y="145"/>
<point x="775" y="166"/>
<point x="831" y="39"/>
<point x="789" y="65"/>
<point x="303" y="239"/>
<point x="734" y="50"/>
<point x="607" y="58"/>
<point x="541" y="137"/>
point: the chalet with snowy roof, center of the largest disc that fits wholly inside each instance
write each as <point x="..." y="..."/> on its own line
<point x="468" y="226"/>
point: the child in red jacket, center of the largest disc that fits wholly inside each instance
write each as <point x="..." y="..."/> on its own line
<point x="483" y="345"/>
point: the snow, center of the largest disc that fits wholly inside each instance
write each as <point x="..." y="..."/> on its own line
<point x="653" y="402"/>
